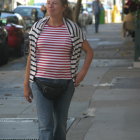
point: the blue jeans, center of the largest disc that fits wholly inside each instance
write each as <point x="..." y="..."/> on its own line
<point x="52" y="115"/>
<point x="97" y="21"/>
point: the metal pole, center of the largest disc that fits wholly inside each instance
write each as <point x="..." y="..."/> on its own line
<point x="122" y="9"/>
<point x="137" y="42"/>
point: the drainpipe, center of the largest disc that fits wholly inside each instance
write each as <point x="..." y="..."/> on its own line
<point x="2" y="4"/>
<point x="114" y="2"/>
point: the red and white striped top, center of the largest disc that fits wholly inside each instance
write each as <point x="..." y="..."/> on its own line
<point x="53" y="53"/>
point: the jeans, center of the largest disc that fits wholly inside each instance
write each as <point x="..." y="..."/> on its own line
<point x="52" y="115"/>
<point x="97" y="21"/>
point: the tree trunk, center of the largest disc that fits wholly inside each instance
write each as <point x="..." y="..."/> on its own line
<point x="77" y="11"/>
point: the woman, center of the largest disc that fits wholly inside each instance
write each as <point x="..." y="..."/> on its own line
<point x="43" y="9"/>
<point x="96" y="6"/>
<point x="56" y="44"/>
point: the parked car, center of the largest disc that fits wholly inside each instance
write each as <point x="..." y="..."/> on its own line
<point x="3" y="45"/>
<point x="14" y="25"/>
<point x="28" y="13"/>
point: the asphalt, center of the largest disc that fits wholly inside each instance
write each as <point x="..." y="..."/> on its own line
<point x="104" y="107"/>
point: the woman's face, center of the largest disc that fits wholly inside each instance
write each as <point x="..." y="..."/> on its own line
<point x="55" y="8"/>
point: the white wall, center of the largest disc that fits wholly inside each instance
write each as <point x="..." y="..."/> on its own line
<point x="22" y="2"/>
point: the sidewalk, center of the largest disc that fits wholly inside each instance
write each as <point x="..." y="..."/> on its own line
<point x="112" y="87"/>
<point x="104" y="107"/>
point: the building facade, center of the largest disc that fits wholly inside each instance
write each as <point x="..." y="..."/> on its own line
<point x="11" y="4"/>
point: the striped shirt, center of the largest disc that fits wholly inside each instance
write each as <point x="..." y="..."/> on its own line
<point x="53" y="53"/>
<point x="77" y="38"/>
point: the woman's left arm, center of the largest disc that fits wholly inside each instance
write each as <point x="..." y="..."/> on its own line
<point x="88" y="59"/>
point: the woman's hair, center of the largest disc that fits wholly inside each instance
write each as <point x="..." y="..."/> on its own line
<point x="64" y="2"/>
<point x="68" y="11"/>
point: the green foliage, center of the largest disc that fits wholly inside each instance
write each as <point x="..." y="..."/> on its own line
<point x="31" y="2"/>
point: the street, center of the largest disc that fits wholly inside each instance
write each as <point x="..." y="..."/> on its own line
<point x="104" y="107"/>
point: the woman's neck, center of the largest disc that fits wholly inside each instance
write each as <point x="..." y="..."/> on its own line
<point x="55" y="21"/>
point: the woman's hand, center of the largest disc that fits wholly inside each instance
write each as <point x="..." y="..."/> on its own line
<point x="89" y="56"/>
<point x="79" y="77"/>
<point x="28" y="93"/>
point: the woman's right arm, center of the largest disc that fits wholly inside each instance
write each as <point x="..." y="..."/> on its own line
<point x="27" y="90"/>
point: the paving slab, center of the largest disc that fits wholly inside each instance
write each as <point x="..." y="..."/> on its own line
<point x="79" y="129"/>
<point x="117" y="115"/>
<point x="22" y="128"/>
<point x="120" y="72"/>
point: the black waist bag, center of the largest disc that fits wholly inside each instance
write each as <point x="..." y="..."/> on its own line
<point x="51" y="91"/>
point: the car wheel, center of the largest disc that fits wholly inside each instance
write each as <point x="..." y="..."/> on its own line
<point x="19" y="50"/>
<point x="4" y="54"/>
<point x="26" y="47"/>
<point x="0" y="55"/>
